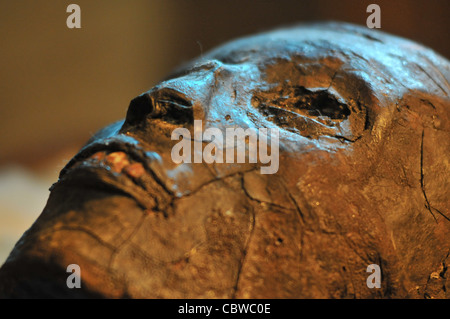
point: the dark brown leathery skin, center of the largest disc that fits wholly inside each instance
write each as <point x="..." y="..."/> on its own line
<point x="363" y="179"/>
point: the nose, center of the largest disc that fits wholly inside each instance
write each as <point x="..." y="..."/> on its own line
<point x="167" y="103"/>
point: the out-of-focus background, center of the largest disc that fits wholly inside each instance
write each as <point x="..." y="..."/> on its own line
<point x="59" y="85"/>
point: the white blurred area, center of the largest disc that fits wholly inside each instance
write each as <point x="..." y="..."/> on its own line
<point x="24" y="192"/>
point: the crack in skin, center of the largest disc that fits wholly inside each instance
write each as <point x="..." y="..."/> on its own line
<point x="244" y="255"/>
<point x="75" y="228"/>
<point x="159" y="262"/>
<point x="260" y="201"/>
<point x="422" y="184"/>
<point x="332" y="78"/>
<point x="118" y="248"/>
<point x="296" y="211"/>
<point x="431" y="78"/>
<point x="301" y="222"/>
<point x="215" y="179"/>
<point x="437" y="70"/>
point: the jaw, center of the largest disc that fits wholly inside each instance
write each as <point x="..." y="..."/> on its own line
<point x="80" y="225"/>
<point x="124" y="250"/>
<point x="101" y="199"/>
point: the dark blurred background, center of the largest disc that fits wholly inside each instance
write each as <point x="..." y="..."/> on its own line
<point x="59" y="85"/>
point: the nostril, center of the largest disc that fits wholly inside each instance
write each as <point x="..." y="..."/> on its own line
<point x="140" y="107"/>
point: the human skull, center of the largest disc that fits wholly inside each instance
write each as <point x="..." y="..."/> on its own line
<point x="362" y="179"/>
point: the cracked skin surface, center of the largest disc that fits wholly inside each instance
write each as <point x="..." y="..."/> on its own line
<point x="363" y="179"/>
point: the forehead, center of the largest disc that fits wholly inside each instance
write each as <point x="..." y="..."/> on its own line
<point x="379" y="59"/>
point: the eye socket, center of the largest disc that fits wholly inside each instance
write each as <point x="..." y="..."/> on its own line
<point x="172" y="106"/>
<point x="318" y="103"/>
<point x="168" y="104"/>
<point x="309" y="112"/>
<point x="172" y="97"/>
<point x="323" y="104"/>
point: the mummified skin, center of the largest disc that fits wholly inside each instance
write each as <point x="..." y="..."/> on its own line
<point x="363" y="179"/>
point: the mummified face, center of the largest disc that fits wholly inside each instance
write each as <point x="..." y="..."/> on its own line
<point x="360" y="177"/>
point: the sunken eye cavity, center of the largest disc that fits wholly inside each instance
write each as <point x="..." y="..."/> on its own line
<point x="172" y="105"/>
<point x="305" y="102"/>
<point x="308" y="112"/>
